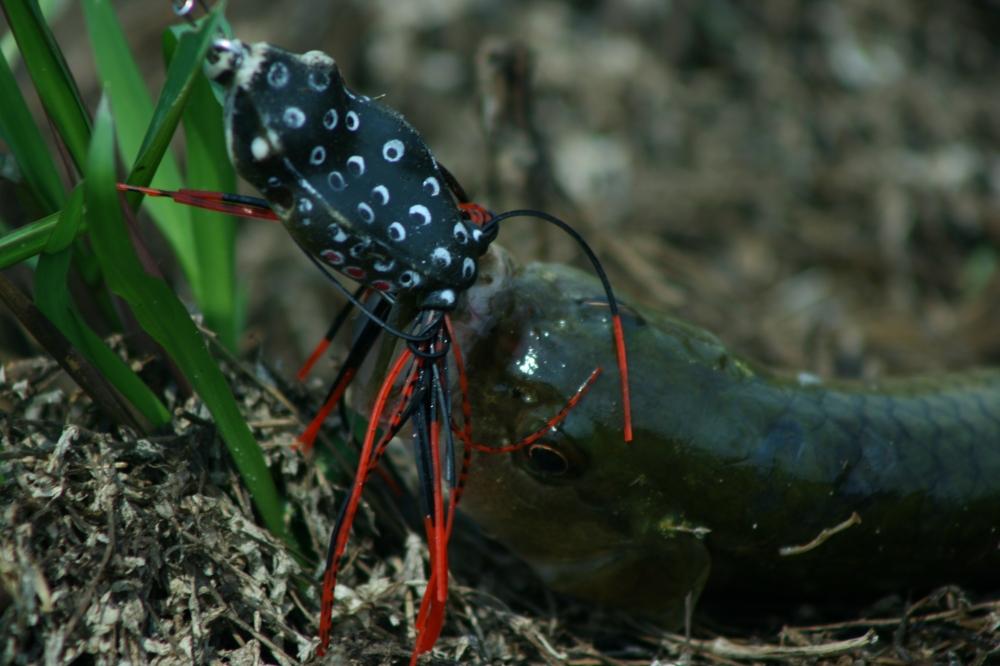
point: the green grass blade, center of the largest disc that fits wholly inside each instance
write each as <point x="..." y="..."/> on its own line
<point x="165" y="318"/>
<point x="215" y="234"/>
<point x="19" y="132"/>
<point x="26" y="241"/>
<point x="59" y="95"/>
<point x="50" y="9"/>
<point x="53" y="81"/>
<point x="53" y="298"/>
<point x="184" y="96"/>
<point x="188" y="50"/>
<point x="130" y="99"/>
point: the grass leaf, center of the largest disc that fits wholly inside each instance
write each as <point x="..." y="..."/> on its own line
<point x="19" y="132"/>
<point x="215" y="234"/>
<point x="124" y="85"/>
<point x="52" y="297"/>
<point x="26" y="241"/>
<point x="55" y="84"/>
<point x="165" y="318"/>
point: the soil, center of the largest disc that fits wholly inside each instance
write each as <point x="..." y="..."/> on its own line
<point x="818" y="182"/>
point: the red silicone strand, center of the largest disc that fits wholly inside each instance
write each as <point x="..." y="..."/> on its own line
<point x="616" y="321"/>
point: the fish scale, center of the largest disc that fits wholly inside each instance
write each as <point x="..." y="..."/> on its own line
<point x="352" y="181"/>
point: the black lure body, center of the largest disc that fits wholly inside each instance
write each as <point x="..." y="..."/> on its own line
<point x="353" y="182"/>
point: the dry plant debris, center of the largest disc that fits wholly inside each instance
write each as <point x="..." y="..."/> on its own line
<point x="120" y="549"/>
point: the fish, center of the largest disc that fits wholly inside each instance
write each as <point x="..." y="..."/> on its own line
<point x="739" y="481"/>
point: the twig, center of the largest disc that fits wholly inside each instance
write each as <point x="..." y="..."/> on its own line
<point x="723" y="647"/>
<point x="526" y="628"/>
<point x="893" y="621"/>
<point x="234" y="617"/>
<point x="282" y="422"/>
<point x="241" y="366"/>
<point x="821" y="538"/>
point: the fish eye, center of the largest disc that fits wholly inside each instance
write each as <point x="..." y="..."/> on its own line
<point x="548" y="459"/>
<point x="551" y="462"/>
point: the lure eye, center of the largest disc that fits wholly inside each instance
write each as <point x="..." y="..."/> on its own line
<point x="223" y="60"/>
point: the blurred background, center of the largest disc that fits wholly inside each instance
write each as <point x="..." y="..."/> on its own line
<point x="817" y="182"/>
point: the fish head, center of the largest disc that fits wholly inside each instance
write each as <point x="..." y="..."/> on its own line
<point x="581" y="506"/>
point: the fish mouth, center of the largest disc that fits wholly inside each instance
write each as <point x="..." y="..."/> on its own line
<point x="478" y="311"/>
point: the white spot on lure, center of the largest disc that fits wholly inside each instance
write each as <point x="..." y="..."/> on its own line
<point x="447" y="296"/>
<point x="393" y="150"/>
<point x="384" y="266"/>
<point x="420" y="214"/>
<point x="260" y="148"/>
<point x="356" y="164"/>
<point x="337" y="234"/>
<point x="336" y="181"/>
<point x="352" y="121"/>
<point x="293" y="117"/>
<point x="274" y="139"/>
<point x="409" y="279"/>
<point x="441" y="257"/>
<point x="358" y="249"/>
<point x="317" y="59"/>
<point x="319" y="80"/>
<point x="277" y="75"/>
<point x="318" y="155"/>
<point x="366" y="213"/>
<point x="380" y="194"/>
<point x="397" y="232"/>
<point x="432" y="186"/>
<point x="330" y="119"/>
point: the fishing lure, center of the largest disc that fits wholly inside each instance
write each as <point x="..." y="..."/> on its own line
<point x="363" y="196"/>
<point x="750" y="484"/>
